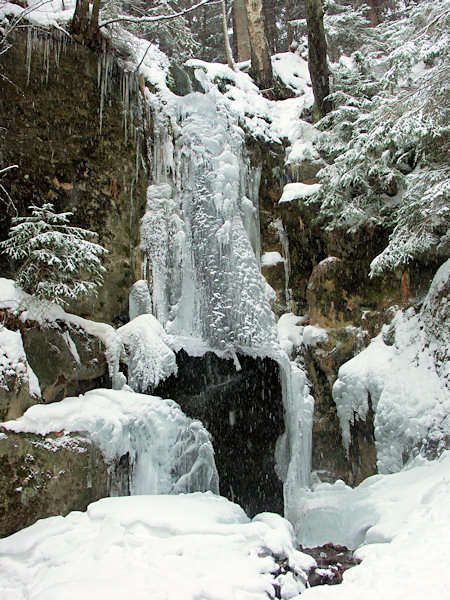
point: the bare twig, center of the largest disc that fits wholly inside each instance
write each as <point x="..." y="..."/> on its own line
<point x="157" y="18"/>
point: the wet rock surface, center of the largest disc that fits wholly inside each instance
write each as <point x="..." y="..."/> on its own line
<point x="243" y="412"/>
<point x="78" y="155"/>
<point x="66" y="360"/>
<point x="332" y="562"/>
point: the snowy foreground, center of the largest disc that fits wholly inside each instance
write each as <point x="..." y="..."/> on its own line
<point x="201" y="546"/>
<point x="164" y="547"/>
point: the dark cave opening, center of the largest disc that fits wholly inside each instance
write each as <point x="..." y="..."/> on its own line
<point x="243" y="411"/>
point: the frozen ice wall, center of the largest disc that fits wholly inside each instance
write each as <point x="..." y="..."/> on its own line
<point x="199" y="234"/>
<point x="166" y="451"/>
<point x="200" y="239"/>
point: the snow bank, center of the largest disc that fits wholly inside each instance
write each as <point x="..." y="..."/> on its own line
<point x="165" y="547"/>
<point x="168" y="452"/>
<point x="13" y="362"/>
<point x="404" y="373"/>
<point x="293" y="333"/>
<point x="269" y="259"/>
<point x="298" y="191"/>
<point x="46" y="313"/>
<point x="398" y="522"/>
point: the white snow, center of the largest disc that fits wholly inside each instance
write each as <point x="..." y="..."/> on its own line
<point x="407" y="381"/>
<point x="399" y="524"/>
<point x="13" y="362"/>
<point x="270" y="259"/>
<point x="141" y="344"/>
<point x="168" y="452"/>
<point x="46" y="313"/>
<point x="298" y="191"/>
<point x="293" y="333"/>
<point x="164" y="547"/>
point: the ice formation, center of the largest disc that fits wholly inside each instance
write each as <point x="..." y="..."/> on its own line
<point x="200" y="240"/>
<point x="141" y="344"/>
<point x="167" y="452"/>
<point x="204" y="275"/>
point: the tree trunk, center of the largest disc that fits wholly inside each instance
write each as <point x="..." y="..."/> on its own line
<point x="270" y="25"/>
<point x="374" y="12"/>
<point x="228" y="54"/>
<point x="290" y="35"/>
<point x="80" y="19"/>
<point x="261" y="65"/>
<point x="317" y="56"/>
<point x="241" y="30"/>
<point x="93" y="25"/>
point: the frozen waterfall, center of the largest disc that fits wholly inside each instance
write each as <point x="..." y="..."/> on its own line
<point x="201" y="248"/>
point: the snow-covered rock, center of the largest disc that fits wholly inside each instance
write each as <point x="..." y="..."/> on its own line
<point x="165" y="547"/>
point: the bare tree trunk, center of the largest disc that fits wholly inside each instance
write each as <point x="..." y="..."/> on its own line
<point x="317" y="56"/>
<point x="228" y="53"/>
<point x="261" y="65"/>
<point x="290" y="34"/>
<point x="93" y="25"/>
<point x="374" y="12"/>
<point x="80" y="19"/>
<point x="241" y="30"/>
<point x="270" y="25"/>
<point x="85" y="25"/>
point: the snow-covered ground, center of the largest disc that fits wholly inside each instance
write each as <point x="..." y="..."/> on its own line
<point x="186" y="547"/>
<point x="400" y="525"/>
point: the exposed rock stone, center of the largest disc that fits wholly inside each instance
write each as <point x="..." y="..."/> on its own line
<point x="329" y="302"/>
<point x="332" y="562"/>
<point x="305" y="171"/>
<point x="243" y="411"/>
<point x="66" y="157"/>
<point x="329" y="458"/>
<point x="42" y="476"/>
<point x="66" y="361"/>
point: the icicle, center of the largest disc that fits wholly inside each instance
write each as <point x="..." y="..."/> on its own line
<point x="30" y="33"/>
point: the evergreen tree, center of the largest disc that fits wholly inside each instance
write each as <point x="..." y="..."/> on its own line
<point x="388" y="139"/>
<point x="57" y="261"/>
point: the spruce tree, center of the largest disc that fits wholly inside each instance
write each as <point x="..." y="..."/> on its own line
<point x="58" y="262"/>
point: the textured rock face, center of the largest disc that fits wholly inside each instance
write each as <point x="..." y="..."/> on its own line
<point x="325" y="277"/>
<point x="66" y="361"/>
<point x="63" y="369"/>
<point x="42" y="476"/>
<point x="71" y="148"/>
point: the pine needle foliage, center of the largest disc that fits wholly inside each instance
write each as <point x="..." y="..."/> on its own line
<point x="388" y="138"/>
<point x="58" y="262"/>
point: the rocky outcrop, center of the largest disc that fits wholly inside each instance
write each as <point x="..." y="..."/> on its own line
<point x="71" y="122"/>
<point x="65" y="359"/>
<point x="324" y="277"/>
<point x="42" y="476"/>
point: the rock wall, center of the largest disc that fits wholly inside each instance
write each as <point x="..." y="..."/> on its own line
<point x="325" y="277"/>
<point x="71" y="122"/>
<point x="43" y="476"/>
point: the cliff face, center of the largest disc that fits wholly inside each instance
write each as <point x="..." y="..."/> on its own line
<point x="324" y="277"/>
<point x="71" y="123"/>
